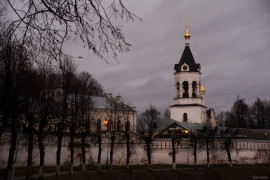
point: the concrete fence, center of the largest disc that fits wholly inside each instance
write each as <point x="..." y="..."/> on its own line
<point x="242" y="152"/>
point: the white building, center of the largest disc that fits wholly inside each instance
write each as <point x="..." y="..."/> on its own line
<point x="189" y="101"/>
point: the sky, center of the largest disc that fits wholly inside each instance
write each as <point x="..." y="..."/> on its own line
<point x="230" y="39"/>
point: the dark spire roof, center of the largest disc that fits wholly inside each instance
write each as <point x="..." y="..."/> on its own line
<point x="189" y="60"/>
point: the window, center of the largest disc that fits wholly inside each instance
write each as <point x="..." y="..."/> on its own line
<point x="109" y="125"/>
<point x="177" y="87"/>
<point x="194" y="89"/>
<point x="127" y="126"/>
<point x="185" y="89"/>
<point x="98" y="125"/>
<point x="118" y="125"/>
<point x="185" y="117"/>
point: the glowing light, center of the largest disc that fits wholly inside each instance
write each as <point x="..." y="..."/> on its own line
<point x="105" y="122"/>
<point x="186" y="131"/>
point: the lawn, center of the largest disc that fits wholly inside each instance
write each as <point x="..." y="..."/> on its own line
<point x="161" y="171"/>
<point x="239" y="173"/>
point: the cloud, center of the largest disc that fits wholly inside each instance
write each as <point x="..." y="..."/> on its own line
<point x="229" y="39"/>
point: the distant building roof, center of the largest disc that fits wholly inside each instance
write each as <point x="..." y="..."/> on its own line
<point x="99" y="102"/>
<point x="103" y="103"/>
<point x="165" y="123"/>
<point x="255" y="134"/>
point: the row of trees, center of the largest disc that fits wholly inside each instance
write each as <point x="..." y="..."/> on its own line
<point x="39" y="97"/>
<point x="212" y="138"/>
<point x="32" y="90"/>
<point x="242" y="115"/>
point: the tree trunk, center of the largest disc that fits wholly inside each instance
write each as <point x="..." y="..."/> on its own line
<point x="71" y="145"/>
<point x="173" y="153"/>
<point x="148" y="148"/>
<point x="207" y="151"/>
<point x="58" y="152"/>
<point x="111" y="151"/>
<point x="228" y="153"/>
<point x="128" y="150"/>
<point x="195" y="153"/>
<point x="12" y="149"/>
<point x="41" y="149"/>
<point x="83" y="153"/>
<point x="41" y="172"/>
<point x="30" y="149"/>
<point x="99" y="151"/>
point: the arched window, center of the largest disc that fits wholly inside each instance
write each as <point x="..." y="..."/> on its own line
<point x="194" y="89"/>
<point x="185" y="89"/>
<point x="98" y="125"/>
<point x="127" y="126"/>
<point x="177" y="87"/>
<point x="109" y="126"/>
<point x="118" y="125"/>
<point x="185" y="117"/>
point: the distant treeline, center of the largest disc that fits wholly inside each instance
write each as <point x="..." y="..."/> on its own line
<point x="242" y="115"/>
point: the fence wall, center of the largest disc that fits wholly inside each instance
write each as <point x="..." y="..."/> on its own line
<point x="242" y="152"/>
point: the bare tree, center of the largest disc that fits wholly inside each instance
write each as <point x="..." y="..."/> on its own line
<point x="88" y="84"/>
<point x="127" y="112"/>
<point x="14" y="60"/>
<point x="226" y="137"/>
<point x="239" y="113"/>
<point x="166" y="113"/>
<point x="47" y="103"/>
<point x="45" y="25"/>
<point x="113" y="126"/>
<point x="195" y="143"/>
<point x="73" y="115"/>
<point x="30" y="96"/>
<point x="147" y="125"/>
<point x="207" y="134"/>
<point x="99" y="141"/>
<point x="173" y="147"/>
<point x="67" y="72"/>
<point x="257" y="112"/>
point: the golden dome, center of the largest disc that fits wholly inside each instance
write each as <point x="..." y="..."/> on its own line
<point x="202" y="88"/>
<point x="187" y="35"/>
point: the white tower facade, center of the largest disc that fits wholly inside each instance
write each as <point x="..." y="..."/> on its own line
<point x="189" y="100"/>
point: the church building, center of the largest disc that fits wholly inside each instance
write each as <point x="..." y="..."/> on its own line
<point x="189" y="101"/>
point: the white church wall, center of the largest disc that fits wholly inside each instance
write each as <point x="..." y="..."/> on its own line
<point x="181" y="101"/>
<point x="194" y="113"/>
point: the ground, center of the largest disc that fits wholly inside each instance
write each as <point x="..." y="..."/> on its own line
<point x="221" y="173"/>
<point x="161" y="172"/>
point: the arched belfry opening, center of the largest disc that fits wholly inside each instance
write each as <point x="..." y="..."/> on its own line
<point x="185" y="89"/>
<point x="194" y="89"/>
<point x="185" y="117"/>
<point x="178" y="89"/>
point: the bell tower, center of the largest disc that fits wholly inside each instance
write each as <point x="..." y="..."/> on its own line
<point x="189" y="100"/>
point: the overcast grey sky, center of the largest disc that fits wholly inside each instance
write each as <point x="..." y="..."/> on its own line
<point x="230" y="39"/>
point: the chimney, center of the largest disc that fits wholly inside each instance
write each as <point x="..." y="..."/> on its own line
<point x="109" y="95"/>
<point x="118" y="99"/>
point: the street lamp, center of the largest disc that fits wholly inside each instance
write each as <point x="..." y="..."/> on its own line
<point x="106" y="123"/>
<point x="188" y="132"/>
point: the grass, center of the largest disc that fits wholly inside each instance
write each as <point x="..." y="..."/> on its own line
<point x="138" y="171"/>
<point x="239" y="173"/>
